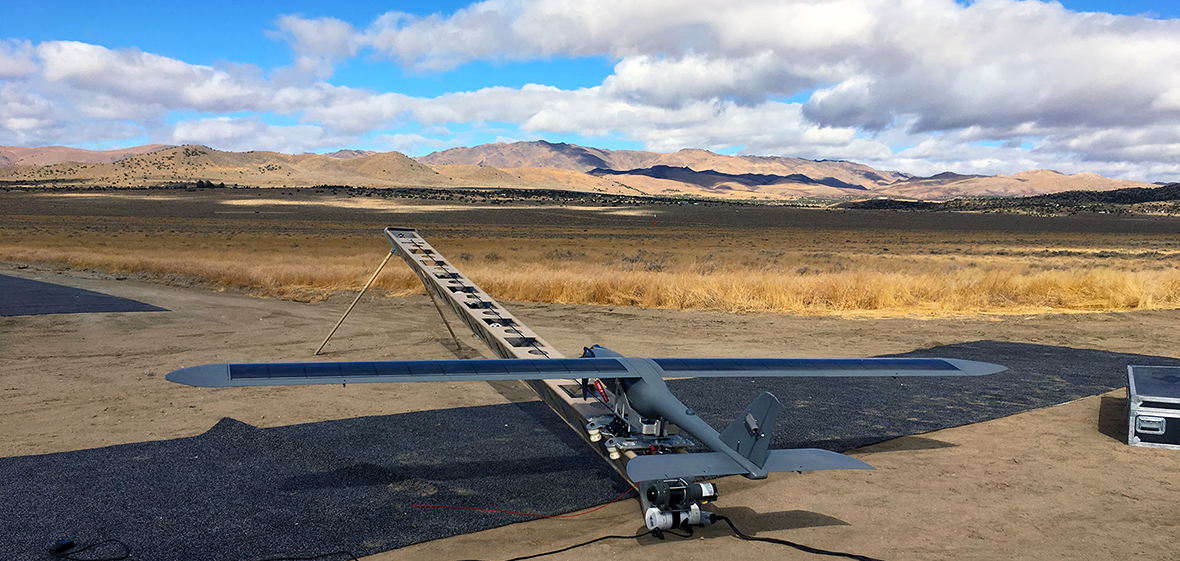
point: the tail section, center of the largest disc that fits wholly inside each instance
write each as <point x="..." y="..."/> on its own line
<point x="749" y="434"/>
<point x="749" y="437"/>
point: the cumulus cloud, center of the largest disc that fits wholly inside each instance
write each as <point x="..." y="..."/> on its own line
<point x="318" y="44"/>
<point x="527" y="29"/>
<point x="29" y="118"/>
<point x="147" y="79"/>
<point x="16" y="58"/>
<point x="1002" y="63"/>
<point x="673" y="82"/>
<point x="22" y="112"/>
<point x="411" y="142"/>
<point x="252" y="133"/>
<point x="356" y="111"/>
<point x="992" y="63"/>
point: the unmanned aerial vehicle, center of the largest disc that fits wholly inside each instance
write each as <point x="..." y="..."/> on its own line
<point x="619" y="405"/>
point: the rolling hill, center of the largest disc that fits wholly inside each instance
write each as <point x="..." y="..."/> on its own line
<point x="190" y="164"/>
<point x="526" y="165"/>
<point x="704" y="173"/>
<point x="49" y="155"/>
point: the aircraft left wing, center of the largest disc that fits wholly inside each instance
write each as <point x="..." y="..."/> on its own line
<point x="292" y="373"/>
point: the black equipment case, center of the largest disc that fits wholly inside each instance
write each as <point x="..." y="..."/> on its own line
<point x="1153" y="406"/>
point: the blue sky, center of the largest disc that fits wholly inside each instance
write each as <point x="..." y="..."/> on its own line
<point x="922" y="86"/>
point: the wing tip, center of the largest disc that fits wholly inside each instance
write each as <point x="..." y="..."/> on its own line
<point x="203" y="376"/>
<point x="975" y="367"/>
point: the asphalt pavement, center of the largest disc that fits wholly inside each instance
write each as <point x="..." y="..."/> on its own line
<point x="27" y="297"/>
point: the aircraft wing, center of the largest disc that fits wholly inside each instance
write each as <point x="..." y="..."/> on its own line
<point x="822" y="367"/>
<point x="291" y="373"/>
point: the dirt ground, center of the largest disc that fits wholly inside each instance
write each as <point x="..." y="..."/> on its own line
<point x="1052" y="483"/>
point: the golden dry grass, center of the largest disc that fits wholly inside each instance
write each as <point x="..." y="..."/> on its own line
<point x="998" y="290"/>
<point x="731" y="274"/>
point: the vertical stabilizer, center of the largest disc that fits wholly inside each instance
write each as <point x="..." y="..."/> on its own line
<point x="749" y="434"/>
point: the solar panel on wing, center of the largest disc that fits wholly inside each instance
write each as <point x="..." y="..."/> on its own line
<point x="533" y="369"/>
<point x="369" y="369"/>
<point x="575" y="367"/>
<point x="317" y="369"/>
<point x="248" y="371"/>
<point x="286" y="371"/>
<point x="429" y="367"/>
<point x="699" y="366"/>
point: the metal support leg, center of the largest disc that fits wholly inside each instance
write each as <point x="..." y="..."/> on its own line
<point x="458" y="347"/>
<point x="358" y="299"/>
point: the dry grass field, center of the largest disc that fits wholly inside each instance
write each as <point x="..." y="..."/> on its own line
<point x="660" y="257"/>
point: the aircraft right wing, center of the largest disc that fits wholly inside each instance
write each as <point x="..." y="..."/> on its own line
<point x="822" y="367"/>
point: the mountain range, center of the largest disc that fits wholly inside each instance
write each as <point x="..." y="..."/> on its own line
<point x="526" y="165"/>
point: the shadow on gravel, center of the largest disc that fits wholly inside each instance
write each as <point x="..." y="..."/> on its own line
<point x="1112" y="417"/>
<point x="238" y="492"/>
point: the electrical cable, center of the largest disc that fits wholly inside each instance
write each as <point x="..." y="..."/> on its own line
<point x="656" y="533"/>
<point x="799" y="546"/>
<point x="595" y="540"/>
<point x="659" y="534"/>
<point x="63" y="555"/>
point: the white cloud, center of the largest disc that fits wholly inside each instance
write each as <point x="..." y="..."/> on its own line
<point x="522" y="30"/>
<point x="28" y="118"/>
<point x="242" y="134"/>
<point x="16" y="58"/>
<point x="148" y="78"/>
<point x="318" y="43"/>
<point x="993" y="63"/>
<point x="1002" y="63"/>
<point x="357" y="111"/>
<point x="410" y="143"/>
<point x="672" y="82"/>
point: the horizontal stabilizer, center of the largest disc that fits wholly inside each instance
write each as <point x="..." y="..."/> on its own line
<point x="822" y="367"/>
<point x="714" y="464"/>
<point x="810" y="459"/>
<point x="291" y="373"/>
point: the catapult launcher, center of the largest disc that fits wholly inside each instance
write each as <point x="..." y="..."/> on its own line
<point x="618" y="405"/>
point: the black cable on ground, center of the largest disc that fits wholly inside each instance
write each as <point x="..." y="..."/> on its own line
<point x="799" y="546"/>
<point x="564" y="549"/>
<point x="657" y="533"/>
